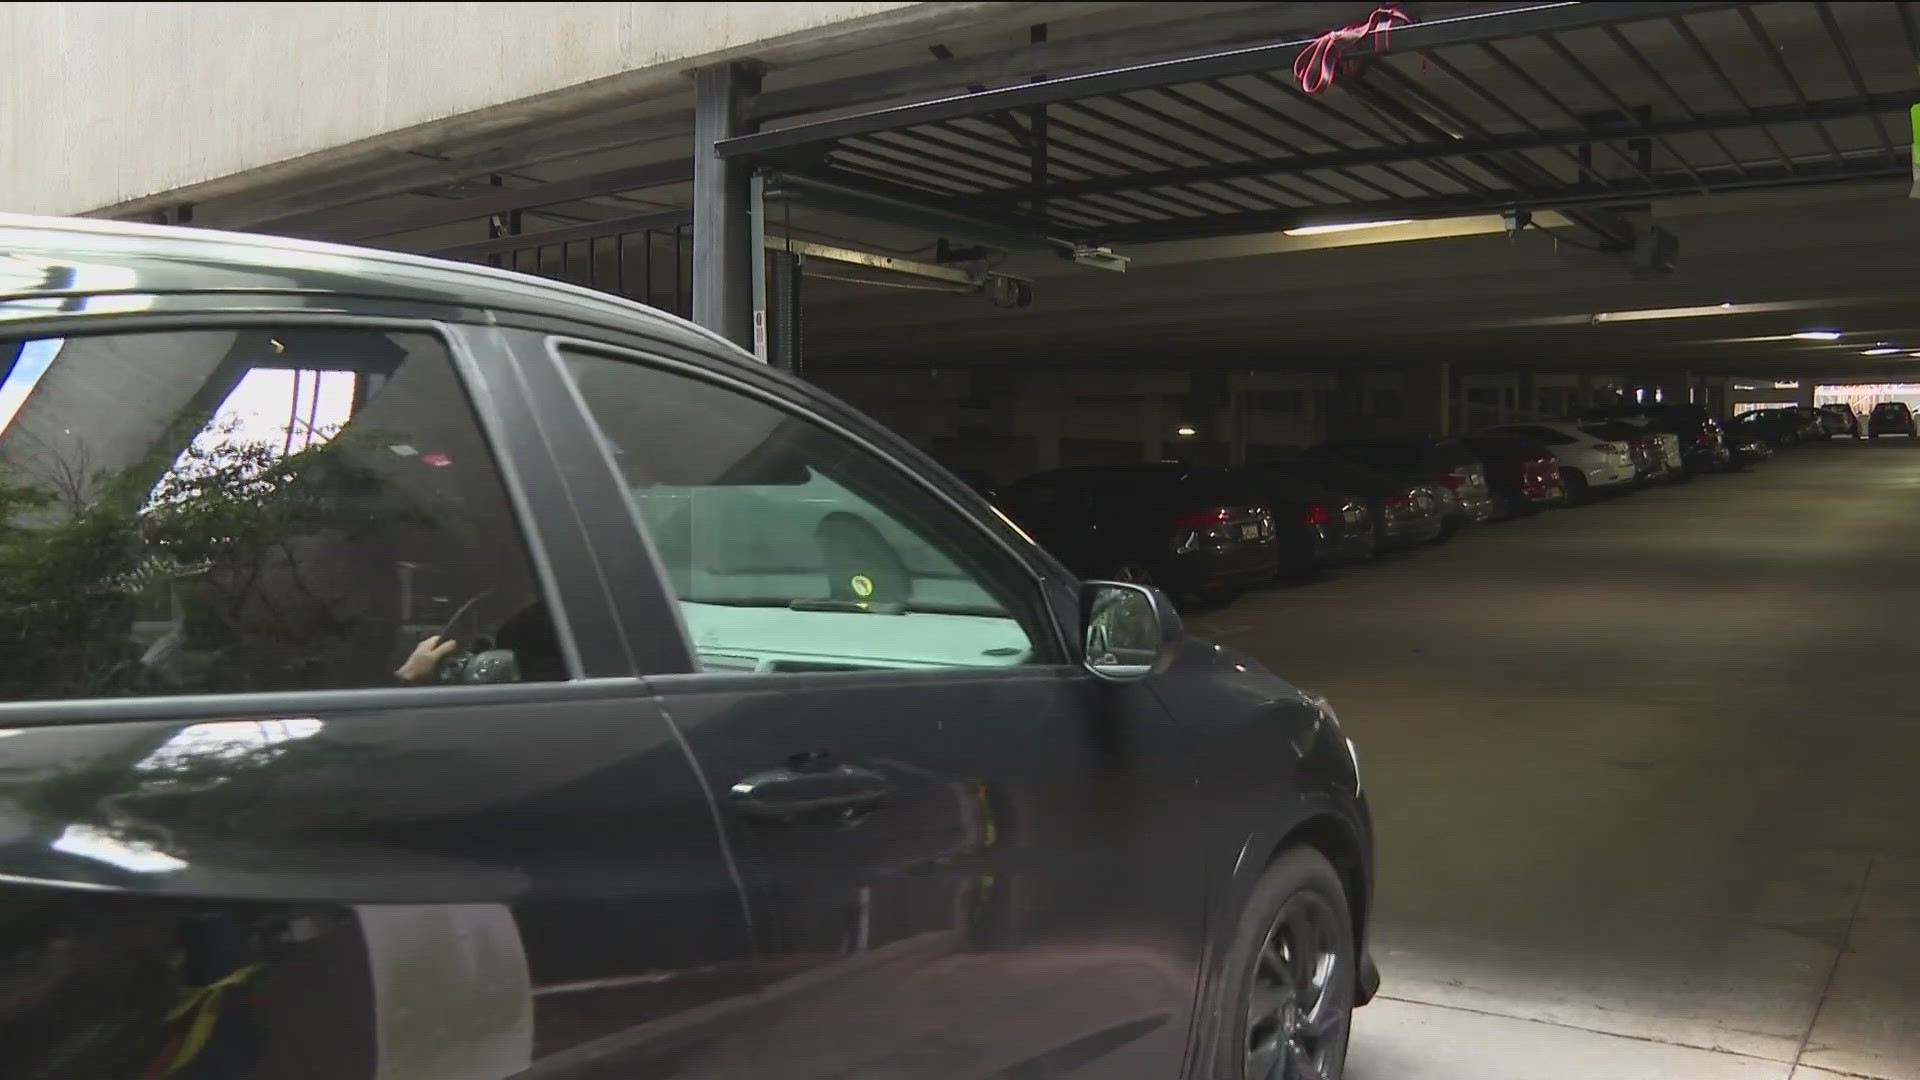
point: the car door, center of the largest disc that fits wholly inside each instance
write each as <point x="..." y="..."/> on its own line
<point x="965" y="855"/>
<point x="233" y="843"/>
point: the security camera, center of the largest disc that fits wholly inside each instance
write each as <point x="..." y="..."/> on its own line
<point x="1008" y="292"/>
<point x="1100" y="258"/>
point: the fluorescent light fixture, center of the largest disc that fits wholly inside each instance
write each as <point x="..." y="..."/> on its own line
<point x="1186" y="430"/>
<point x="1344" y="226"/>
<point x="1816" y="335"/>
<point x="1879" y="350"/>
<point x="1646" y="314"/>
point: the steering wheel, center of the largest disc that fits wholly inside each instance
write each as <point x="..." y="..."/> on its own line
<point x="480" y="661"/>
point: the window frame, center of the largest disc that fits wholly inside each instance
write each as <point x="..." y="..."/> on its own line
<point x="527" y="484"/>
<point x="1052" y="646"/>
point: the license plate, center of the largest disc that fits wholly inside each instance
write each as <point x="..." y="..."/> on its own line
<point x="1249" y="532"/>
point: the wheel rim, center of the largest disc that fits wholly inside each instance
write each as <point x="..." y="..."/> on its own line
<point x="1296" y="1020"/>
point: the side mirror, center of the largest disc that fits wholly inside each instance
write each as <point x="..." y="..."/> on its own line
<point x="1129" y="628"/>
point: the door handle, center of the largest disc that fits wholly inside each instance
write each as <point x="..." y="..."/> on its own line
<point x="839" y="793"/>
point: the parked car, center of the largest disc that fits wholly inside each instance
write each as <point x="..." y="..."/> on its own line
<point x="1778" y="428"/>
<point x="1748" y="448"/>
<point x="1195" y="531"/>
<point x="1523" y="475"/>
<point x="1703" y="446"/>
<point x="1588" y="463"/>
<point x="1890" y="418"/>
<point x="1464" y="498"/>
<point x="763" y="744"/>
<point x="1403" y="515"/>
<point x="1841" y="420"/>
<point x="1646" y="447"/>
<point x="1314" y="528"/>
<point x="1817" y="424"/>
<point x="1666" y="458"/>
<point x="1814" y="424"/>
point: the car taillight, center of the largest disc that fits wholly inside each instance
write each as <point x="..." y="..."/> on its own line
<point x="1318" y="516"/>
<point x="1452" y="480"/>
<point x="1202" y="520"/>
<point x="1704" y="436"/>
<point x="1399" y="501"/>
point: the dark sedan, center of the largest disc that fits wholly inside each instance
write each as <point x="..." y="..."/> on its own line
<point x="1403" y="515"/>
<point x="1462" y="484"/>
<point x="1315" y="528"/>
<point x="1194" y="531"/>
<point x="1749" y="448"/>
<point x="729" y="735"/>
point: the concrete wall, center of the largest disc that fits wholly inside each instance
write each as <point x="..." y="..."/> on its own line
<point x="104" y="103"/>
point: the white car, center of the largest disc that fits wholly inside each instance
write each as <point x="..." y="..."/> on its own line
<point x="1588" y="462"/>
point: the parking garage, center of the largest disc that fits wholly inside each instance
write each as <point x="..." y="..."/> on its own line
<point x="1638" y="765"/>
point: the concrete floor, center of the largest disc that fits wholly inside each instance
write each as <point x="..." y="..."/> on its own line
<point x="1647" y="779"/>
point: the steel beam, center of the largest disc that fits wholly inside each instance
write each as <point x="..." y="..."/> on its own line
<point x="1671" y="185"/>
<point x="723" y="249"/>
<point x="801" y="141"/>
<point x="454" y="211"/>
<point x="1519" y="142"/>
<point x="592" y="230"/>
<point x="875" y="200"/>
<point x="1133" y="45"/>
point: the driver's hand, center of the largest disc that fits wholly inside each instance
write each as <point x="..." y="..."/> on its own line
<point x="426" y="659"/>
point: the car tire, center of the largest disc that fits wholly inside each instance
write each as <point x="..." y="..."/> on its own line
<point x="1295" y="970"/>
<point x="1790" y="440"/>
<point x="1576" y="485"/>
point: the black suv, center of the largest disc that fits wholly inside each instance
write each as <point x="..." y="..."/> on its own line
<point x="421" y="669"/>
<point x="1890" y="418"/>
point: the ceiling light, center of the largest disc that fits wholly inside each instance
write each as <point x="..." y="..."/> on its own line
<point x="1345" y="226"/>
<point x="1879" y="350"/>
<point x="1644" y="314"/>
<point x="1817" y="335"/>
<point x="1185" y="430"/>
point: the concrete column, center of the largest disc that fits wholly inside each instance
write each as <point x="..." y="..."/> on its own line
<point x="723" y="248"/>
<point x="1236" y="420"/>
<point x="1153" y="434"/>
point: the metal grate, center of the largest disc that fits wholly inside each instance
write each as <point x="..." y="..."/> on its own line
<point x="1550" y="106"/>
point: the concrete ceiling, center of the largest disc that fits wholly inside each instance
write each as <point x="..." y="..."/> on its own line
<point x="1837" y="258"/>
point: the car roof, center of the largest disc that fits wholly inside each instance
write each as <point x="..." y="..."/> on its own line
<point x="166" y="258"/>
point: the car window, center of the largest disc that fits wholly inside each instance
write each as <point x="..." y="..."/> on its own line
<point x="792" y="548"/>
<point x="225" y="511"/>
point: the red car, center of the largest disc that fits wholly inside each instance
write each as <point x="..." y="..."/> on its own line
<point x="1523" y="475"/>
